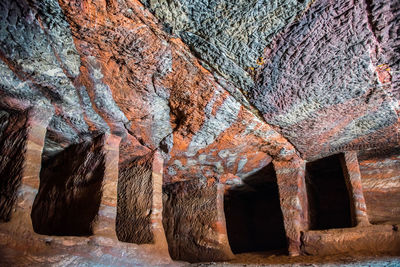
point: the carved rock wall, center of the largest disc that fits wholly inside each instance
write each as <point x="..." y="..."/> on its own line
<point x="222" y="89"/>
<point x="381" y="184"/>
<point x="13" y="138"/>
<point x="323" y="82"/>
<point x="194" y="222"/>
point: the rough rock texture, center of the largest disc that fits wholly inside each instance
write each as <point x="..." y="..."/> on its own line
<point x="140" y="200"/>
<point x="377" y="238"/>
<point x="13" y="138"/>
<point x="323" y="82"/>
<point x="352" y="176"/>
<point x="381" y="184"/>
<point x="194" y="222"/>
<point x="277" y="81"/>
<point x="104" y="223"/>
<point x="290" y="176"/>
<point x="229" y="36"/>
<point x="105" y="77"/>
<point x="32" y="249"/>
<point x="70" y="190"/>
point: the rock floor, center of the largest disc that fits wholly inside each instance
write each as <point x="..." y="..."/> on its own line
<point x="91" y="256"/>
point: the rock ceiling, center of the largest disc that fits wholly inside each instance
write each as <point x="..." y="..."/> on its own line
<point x="220" y="87"/>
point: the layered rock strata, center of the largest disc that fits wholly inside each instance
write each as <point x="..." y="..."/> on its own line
<point x="140" y="114"/>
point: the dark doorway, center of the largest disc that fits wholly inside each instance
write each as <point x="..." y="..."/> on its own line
<point x="70" y="190"/>
<point x="254" y="218"/>
<point x="327" y="194"/>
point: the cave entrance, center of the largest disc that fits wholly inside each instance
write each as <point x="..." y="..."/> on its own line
<point x="328" y="196"/>
<point x="253" y="214"/>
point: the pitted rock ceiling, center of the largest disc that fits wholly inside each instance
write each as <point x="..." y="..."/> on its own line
<point x="221" y="87"/>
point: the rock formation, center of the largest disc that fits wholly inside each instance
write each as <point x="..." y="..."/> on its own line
<point x="131" y="127"/>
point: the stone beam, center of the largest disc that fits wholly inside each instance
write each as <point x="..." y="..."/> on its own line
<point x="377" y="239"/>
<point x="194" y="222"/>
<point x="352" y="176"/>
<point x="293" y="198"/>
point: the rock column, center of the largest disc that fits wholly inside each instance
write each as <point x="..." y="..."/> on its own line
<point x="104" y="224"/>
<point x="194" y="222"/>
<point x="139" y="213"/>
<point x="20" y="167"/>
<point x="157" y="204"/>
<point x="352" y="176"/>
<point x="293" y="198"/>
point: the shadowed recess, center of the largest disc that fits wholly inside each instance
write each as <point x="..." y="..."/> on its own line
<point x="254" y="218"/>
<point x="327" y="194"/>
<point x="70" y="190"/>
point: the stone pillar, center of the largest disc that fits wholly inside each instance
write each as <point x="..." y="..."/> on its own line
<point x="26" y="132"/>
<point x="194" y="222"/>
<point x="139" y="212"/>
<point x="104" y="224"/>
<point x="293" y="198"/>
<point x="157" y="203"/>
<point x="352" y="175"/>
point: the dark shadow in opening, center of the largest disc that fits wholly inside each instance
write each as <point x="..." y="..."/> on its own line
<point x="328" y="195"/>
<point x="70" y="190"/>
<point x="254" y="218"/>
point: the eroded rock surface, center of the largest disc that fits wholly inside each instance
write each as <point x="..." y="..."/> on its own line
<point x="220" y="89"/>
<point x="200" y="207"/>
<point x="381" y="184"/>
<point x="229" y="36"/>
<point x="13" y="138"/>
<point x="327" y="81"/>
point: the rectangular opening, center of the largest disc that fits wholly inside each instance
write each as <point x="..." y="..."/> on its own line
<point x="253" y="214"/>
<point x="328" y="196"/>
<point x="70" y="192"/>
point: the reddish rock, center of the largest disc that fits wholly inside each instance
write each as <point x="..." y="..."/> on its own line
<point x="381" y="184"/>
<point x="194" y="222"/>
<point x="376" y="238"/>
<point x="98" y="86"/>
<point x="352" y="177"/>
<point x="170" y="76"/>
<point x="290" y="176"/>
<point x="139" y="216"/>
<point x="316" y="83"/>
<point x="104" y="223"/>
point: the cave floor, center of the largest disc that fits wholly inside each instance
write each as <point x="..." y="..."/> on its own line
<point x="20" y="247"/>
<point x="277" y="259"/>
<point x="86" y="256"/>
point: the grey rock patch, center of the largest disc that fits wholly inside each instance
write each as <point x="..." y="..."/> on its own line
<point x="229" y="35"/>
